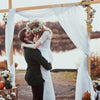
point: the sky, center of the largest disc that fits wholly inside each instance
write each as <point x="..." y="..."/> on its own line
<point x="28" y="3"/>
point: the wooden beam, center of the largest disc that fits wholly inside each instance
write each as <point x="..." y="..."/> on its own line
<point x="89" y="34"/>
<point x="40" y="7"/>
<point x="11" y="54"/>
<point x="95" y="2"/>
<point x="11" y="50"/>
<point x="10" y="4"/>
<point x="46" y="6"/>
<point x="4" y="10"/>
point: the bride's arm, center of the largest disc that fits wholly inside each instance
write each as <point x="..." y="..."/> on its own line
<point x="33" y="46"/>
<point x="38" y="43"/>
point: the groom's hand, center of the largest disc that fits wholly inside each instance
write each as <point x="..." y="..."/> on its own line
<point x="49" y="66"/>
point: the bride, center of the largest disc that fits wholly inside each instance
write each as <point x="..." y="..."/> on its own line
<point x="42" y="40"/>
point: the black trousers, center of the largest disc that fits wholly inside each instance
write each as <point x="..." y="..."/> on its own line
<point x="37" y="92"/>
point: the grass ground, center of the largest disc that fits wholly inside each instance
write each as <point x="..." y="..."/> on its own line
<point x="56" y="76"/>
<point x="63" y="82"/>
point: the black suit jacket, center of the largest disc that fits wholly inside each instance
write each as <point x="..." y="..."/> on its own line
<point x="34" y="59"/>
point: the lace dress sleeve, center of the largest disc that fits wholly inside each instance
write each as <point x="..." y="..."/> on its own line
<point x="45" y="36"/>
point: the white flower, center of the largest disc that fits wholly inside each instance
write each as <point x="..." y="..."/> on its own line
<point x="86" y="9"/>
<point x="94" y="10"/>
<point x="2" y="72"/>
<point x="9" y="97"/>
<point x="13" y="94"/>
<point x="91" y="13"/>
<point x="4" y="75"/>
<point x="8" y="79"/>
<point x="0" y="96"/>
<point x="6" y="71"/>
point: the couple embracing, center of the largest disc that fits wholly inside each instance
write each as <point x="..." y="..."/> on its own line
<point x="36" y="40"/>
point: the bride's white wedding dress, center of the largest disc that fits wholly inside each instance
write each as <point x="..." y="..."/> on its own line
<point x="45" y="41"/>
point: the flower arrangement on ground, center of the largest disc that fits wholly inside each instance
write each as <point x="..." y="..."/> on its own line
<point x="7" y="79"/>
<point x="7" y="84"/>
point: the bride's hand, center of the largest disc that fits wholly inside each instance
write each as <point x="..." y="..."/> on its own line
<point x="23" y="45"/>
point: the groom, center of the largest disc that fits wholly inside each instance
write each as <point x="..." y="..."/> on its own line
<point x="34" y="59"/>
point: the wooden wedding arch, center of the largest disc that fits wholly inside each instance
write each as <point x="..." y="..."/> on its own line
<point x="88" y="2"/>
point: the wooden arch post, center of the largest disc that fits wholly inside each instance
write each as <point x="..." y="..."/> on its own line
<point x="11" y="50"/>
<point x="89" y="34"/>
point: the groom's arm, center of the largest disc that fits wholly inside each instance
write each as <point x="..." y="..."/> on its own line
<point x="36" y="55"/>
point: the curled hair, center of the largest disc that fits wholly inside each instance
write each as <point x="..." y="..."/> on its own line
<point x="34" y="25"/>
<point x="21" y="34"/>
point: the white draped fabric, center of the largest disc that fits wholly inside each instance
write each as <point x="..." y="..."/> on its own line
<point x="9" y="34"/>
<point x="98" y="92"/>
<point x="37" y="14"/>
<point x="8" y="41"/>
<point x="84" y="82"/>
<point x="73" y="23"/>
